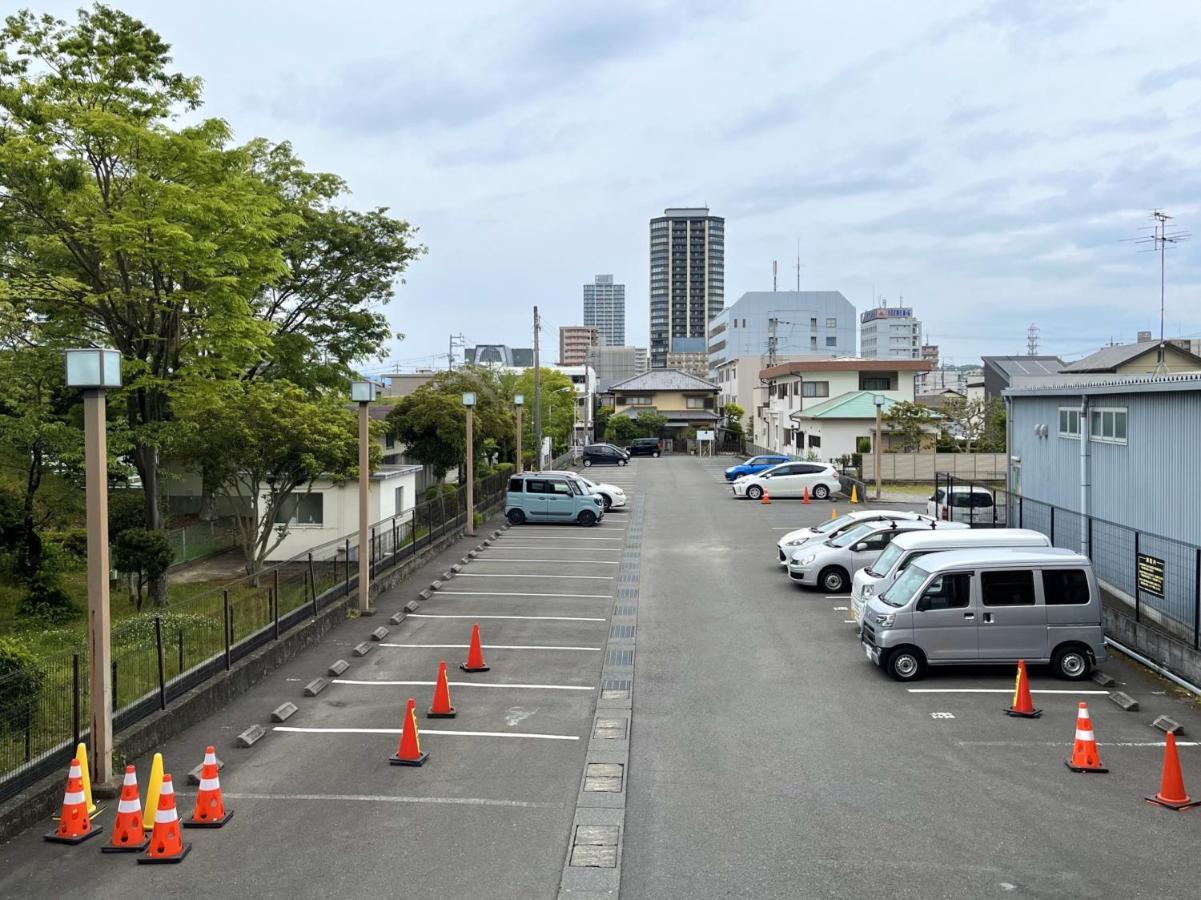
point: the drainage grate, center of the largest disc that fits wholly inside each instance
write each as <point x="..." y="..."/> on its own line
<point x="625" y="610"/>
<point x="622" y="631"/>
<point x="620" y="658"/>
<point x="617" y="684"/>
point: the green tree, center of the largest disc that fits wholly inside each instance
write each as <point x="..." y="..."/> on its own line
<point x="734" y="428"/>
<point x="650" y="423"/>
<point x="21" y="681"/>
<point x="621" y="429"/>
<point x="143" y="555"/>
<point x="993" y="437"/>
<point x="970" y="417"/>
<point x="600" y="421"/>
<point x="260" y="443"/>
<point x="558" y="408"/>
<point x="908" y="422"/>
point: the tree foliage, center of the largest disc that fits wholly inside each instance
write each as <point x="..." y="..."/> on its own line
<point x="143" y="555"/>
<point x="621" y="429"/>
<point x="908" y="422"/>
<point x="558" y="408"/>
<point x="650" y="423"/>
<point x="21" y="681"/>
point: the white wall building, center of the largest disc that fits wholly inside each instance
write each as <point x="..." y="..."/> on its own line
<point x="890" y="332"/>
<point x="806" y="323"/>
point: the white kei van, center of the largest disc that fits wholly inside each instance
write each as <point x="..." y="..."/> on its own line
<point x="905" y="548"/>
<point x="989" y="606"/>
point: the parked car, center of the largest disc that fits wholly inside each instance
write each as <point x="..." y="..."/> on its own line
<point x="645" y="447"/>
<point x="789" y="480"/>
<point x="831" y="528"/>
<point x="604" y="455"/>
<point x="755" y="465"/>
<point x="988" y="606"/>
<point x="832" y="564"/>
<point x="612" y="497"/>
<point x="539" y="497"/>
<point x="966" y="503"/>
<point x="908" y="548"/>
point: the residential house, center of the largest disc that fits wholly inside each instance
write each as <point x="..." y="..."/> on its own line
<point x="847" y="425"/>
<point x="686" y="401"/>
<point x="1142" y="358"/>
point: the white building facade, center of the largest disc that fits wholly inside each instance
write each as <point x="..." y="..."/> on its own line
<point x="792" y="323"/>
<point x="890" y="332"/>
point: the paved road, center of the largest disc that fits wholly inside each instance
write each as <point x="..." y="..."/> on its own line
<point x="319" y="812"/>
<point x="770" y="759"/>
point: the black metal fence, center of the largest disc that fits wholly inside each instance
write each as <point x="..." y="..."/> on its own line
<point x="158" y="656"/>
<point x="1159" y="576"/>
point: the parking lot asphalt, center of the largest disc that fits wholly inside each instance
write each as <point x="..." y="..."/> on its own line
<point x="769" y="758"/>
<point x="319" y="811"/>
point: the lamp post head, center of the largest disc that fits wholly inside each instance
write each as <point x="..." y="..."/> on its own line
<point x="469" y="399"/>
<point x="519" y="400"/>
<point x="364" y="391"/>
<point x="93" y="367"/>
<point x="878" y="400"/>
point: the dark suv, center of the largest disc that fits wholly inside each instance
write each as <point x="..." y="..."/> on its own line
<point x="645" y="447"/>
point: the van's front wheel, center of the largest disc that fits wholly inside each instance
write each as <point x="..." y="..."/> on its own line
<point x="1071" y="663"/>
<point x="587" y="517"/>
<point x="906" y="664"/>
<point x="515" y="517"/>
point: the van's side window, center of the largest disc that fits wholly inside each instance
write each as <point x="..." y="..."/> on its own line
<point x="953" y="591"/>
<point x="559" y="487"/>
<point x="515" y="485"/>
<point x="536" y="487"/>
<point x="1065" y="587"/>
<point x="1012" y="588"/>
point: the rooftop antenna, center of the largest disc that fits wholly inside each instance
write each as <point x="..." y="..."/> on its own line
<point x="1159" y="239"/>
<point x="798" y="265"/>
<point x="1032" y="340"/>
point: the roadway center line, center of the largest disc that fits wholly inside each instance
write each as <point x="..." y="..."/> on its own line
<point x="384" y="798"/>
<point x="535" y="618"/>
<point x="995" y="691"/>
<point x="510" y="575"/>
<point x="469" y="684"/>
<point x="500" y="734"/>
<point x="518" y="594"/>
<point x="506" y="559"/>
<point x="486" y="647"/>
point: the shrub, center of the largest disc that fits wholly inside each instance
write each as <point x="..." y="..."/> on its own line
<point x="144" y="554"/>
<point x="72" y="541"/>
<point x="21" y="681"/>
<point x="138" y="631"/>
<point x="45" y="601"/>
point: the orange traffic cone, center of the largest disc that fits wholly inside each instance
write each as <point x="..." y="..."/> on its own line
<point x="475" y="654"/>
<point x="441" y="708"/>
<point x="1085" y="757"/>
<point x="766" y="499"/>
<point x="74" y="826"/>
<point x="166" y="840"/>
<point x="1023" y="706"/>
<point x="210" y="811"/>
<point x="1171" y="786"/>
<point x="128" y="834"/>
<point x="805" y="495"/>
<point x="409" y="752"/>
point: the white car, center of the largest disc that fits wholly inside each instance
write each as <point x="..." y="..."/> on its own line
<point x="966" y="503"/>
<point x="792" y="541"/>
<point x="611" y="495"/>
<point x="831" y="564"/>
<point x="790" y="480"/>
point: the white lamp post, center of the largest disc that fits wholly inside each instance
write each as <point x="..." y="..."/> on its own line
<point x="519" y="402"/>
<point x="879" y="401"/>
<point x="469" y="402"/>
<point x="94" y="371"/>
<point x="362" y="393"/>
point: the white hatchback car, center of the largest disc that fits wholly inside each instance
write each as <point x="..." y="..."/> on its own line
<point x="611" y="495"/>
<point x="790" y="480"/>
<point x="831" y="528"/>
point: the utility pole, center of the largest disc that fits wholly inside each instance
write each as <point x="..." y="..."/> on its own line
<point x="456" y="340"/>
<point x="537" y="396"/>
<point x="772" y="340"/>
<point x="775" y="269"/>
<point x="879" y="401"/>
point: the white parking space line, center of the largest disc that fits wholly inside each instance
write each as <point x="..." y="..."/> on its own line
<point x="470" y="684"/>
<point x="534" y="618"/>
<point x="383" y="798"/>
<point x="541" y="540"/>
<point x="506" y="559"/>
<point x="511" y="575"/>
<point x="995" y="691"/>
<point x="1069" y="743"/>
<point x="486" y="647"/>
<point x="519" y="594"/>
<point x="497" y="734"/>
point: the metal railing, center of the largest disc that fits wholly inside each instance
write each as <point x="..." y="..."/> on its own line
<point x="1160" y="577"/>
<point x="201" y="539"/>
<point x="160" y="655"/>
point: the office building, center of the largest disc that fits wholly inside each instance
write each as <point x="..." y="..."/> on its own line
<point x="614" y="364"/>
<point x="574" y="343"/>
<point x="791" y="324"/>
<point x="605" y="309"/>
<point x="890" y="332"/>
<point x="687" y="284"/>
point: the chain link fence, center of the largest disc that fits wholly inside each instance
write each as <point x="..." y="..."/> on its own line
<point x="159" y="656"/>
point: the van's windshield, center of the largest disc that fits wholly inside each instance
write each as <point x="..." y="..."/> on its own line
<point x="905" y="587"/>
<point x="885" y="561"/>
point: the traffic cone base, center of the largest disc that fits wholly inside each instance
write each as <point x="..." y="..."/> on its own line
<point x="165" y="860"/>
<point x="1173" y="805"/>
<point x="1100" y="770"/>
<point x="467" y="668"/>
<point x="128" y="835"/>
<point x="55" y="838"/>
<point x="1022" y="706"/>
<point x="1018" y="714"/>
<point x="209" y="823"/>
<point x="418" y="760"/>
<point x="1171" y="785"/>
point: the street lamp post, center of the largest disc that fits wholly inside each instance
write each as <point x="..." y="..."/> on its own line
<point x="362" y="393"/>
<point x="95" y="371"/>
<point x="518" y="402"/>
<point x="469" y="402"/>
<point x="879" y="401"/>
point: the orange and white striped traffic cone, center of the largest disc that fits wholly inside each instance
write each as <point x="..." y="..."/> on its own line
<point x="128" y="834"/>
<point x="166" y="840"/>
<point x="210" y="811"/>
<point x="1085" y="757"/>
<point x="74" y="826"/>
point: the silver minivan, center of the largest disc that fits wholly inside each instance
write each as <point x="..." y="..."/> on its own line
<point x="988" y="606"/>
<point x="897" y="556"/>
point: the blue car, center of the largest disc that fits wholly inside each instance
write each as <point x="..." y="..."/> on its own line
<point x="755" y="465"/>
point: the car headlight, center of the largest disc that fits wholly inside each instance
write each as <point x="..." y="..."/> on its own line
<point x="885" y="620"/>
<point x="806" y="560"/>
<point x="795" y="542"/>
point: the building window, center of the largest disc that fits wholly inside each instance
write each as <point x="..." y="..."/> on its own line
<point x="389" y="441"/>
<point x="813" y="343"/>
<point x="634" y="401"/>
<point x="399" y="500"/>
<point x="815" y="442"/>
<point x="815" y="389"/>
<point x="1107" y="424"/>
<point x="796" y="388"/>
<point x="831" y="323"/>
<point x="781" y="391"/>
<point x="1069" y="422"/>
<point x="831" y="341"/>
<point x="874" y="384"/>
<point x="301" y="509"/>
<point x="695" y="402"/>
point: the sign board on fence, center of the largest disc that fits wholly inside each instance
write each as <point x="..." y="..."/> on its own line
<point x="1150" y="572"/>
<point x="704" y="435"/>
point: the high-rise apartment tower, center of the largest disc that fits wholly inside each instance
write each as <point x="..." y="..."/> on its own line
<point x="605" y="309"/>
<point x="687" y="286"/>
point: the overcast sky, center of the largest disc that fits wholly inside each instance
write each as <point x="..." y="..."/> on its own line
<point x="984" y="160"/>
